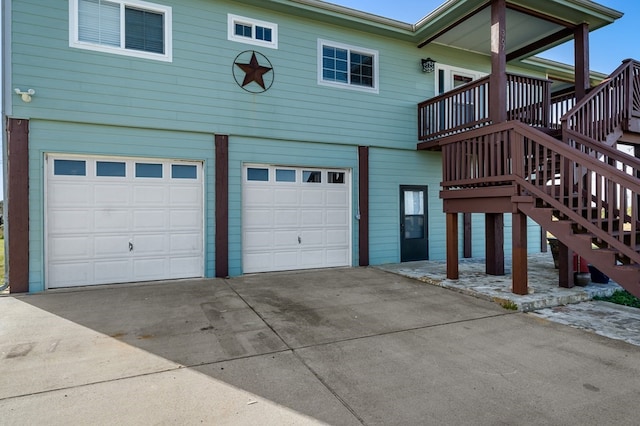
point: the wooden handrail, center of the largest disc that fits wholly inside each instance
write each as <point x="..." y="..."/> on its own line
<point x="512" y="152"/>
<point x="609" y="106"/>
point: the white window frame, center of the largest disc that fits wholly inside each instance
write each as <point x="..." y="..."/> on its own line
<point x="232" y="20"/>
<point x="376" y="60"/>
<point x="138" y="4"/>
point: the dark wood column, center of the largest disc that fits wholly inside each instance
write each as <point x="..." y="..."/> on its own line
<point x="494" y="243"/>
<point x="581" y="38"/>
<point x="363" y="197"/>
<point x="519" y="275"/>
<point x="466" y="226"/>
<point x="498" y="78"/>
<point x="452" y="246"/>
<point x="222" y="205"/>
<point x="17" y="205"/>
<point x="565" y="264"/>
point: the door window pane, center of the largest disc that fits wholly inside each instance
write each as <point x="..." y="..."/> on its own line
<point x="413" y="202"/>
<point x="69" y="167"/>
<point x="283" y="175"/>
<point x="110" y="168"/>
<point x="413" y="227"/>
<point x="148" y="170"/>
<point x="311" y="176"/>
<point x="184" y="171"/>
<point x="335" y="177"/>
<point x="258" y="174"/>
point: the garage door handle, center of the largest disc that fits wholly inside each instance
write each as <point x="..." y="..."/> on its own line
<point x="299" y="240"/>
<point x="130" y="246"/>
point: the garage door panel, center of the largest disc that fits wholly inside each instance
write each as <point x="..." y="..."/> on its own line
<point x="312" y="258"/>
<point x="258" y="262"/>
<point x="70" y="194"/>
<point x="281" y="218"/>
<point x="310" y="217"/>
<point x="284" y="238"/>
<point x="257" y="240"/>
<point x="71" y="274"/>
<point x="337" y="217"/>
<point x="336" y="237"/>
<point x="312" y="237"/>
<point x="310" y="197"/>
<point x="92" y="219"/>
<point x="335" y="257"/>
<point x="112" y="271"/>
<point x="285" y="260"/>
<point x="112" y="194"/>
<point x="108" y="220"/>
<point x="259" y="196"/>
<point x="110" y="245"/>
<point x="259" y="217"/>
<point x="64" y="247"/>
<point x="182" y="195"/>
<point x="147" y="219"/>
<point x="67" y="221"/>
<point x="185" y="244"/>
<point x="337" y="198"/>
<point x="185" y="219"/>
<point x="150" y="195"/>
<point x="285" y="197"/>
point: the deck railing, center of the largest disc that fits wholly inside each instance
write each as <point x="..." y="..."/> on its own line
<point x="609" y="106"/>
<point x="561" y="104"/>
<point x="467" y="107"/>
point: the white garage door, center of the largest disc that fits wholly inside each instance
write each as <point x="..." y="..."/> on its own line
<point x="113" y="220"/>
<point x="295" y="218"/>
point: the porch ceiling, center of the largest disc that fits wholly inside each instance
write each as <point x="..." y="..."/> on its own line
<point x="532" y="25"/>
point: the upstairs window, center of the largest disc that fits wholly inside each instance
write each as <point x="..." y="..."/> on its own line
<point x="126" y="27"/>
<point x="252" y="31"/>
<point x="347" y="66"/>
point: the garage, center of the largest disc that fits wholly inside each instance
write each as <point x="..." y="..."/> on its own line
<point x="115" y="220"/>
<point x="295" y="218"/>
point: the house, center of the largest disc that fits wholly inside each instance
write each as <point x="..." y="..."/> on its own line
<point x="177" y="139"/>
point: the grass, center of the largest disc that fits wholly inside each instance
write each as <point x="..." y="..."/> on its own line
<point x="621" y="297"/>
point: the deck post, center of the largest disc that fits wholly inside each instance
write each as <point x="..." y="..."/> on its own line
<point x="466" y="249"/>
<point x="519" y="275"/>
<point x="565" y="266"/>
<point x="494" y="243"/>
<point x="581" y="52"/>
<point x="498" y="78"/>
<point x="452" y="246"/>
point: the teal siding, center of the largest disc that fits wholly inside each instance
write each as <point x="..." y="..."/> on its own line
<point x="388" y="169"/>
<point x="58" y="137"/>
<point x="294" y="153"/>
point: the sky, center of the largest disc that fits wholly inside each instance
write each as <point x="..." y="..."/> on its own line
<point x="608" y="46"/>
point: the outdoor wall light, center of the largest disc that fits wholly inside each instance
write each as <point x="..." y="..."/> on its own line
<point x="428" y="65"/>
<point x="26" y="96"/>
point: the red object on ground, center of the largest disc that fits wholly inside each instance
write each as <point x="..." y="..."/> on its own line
<point x="580" y="264"/>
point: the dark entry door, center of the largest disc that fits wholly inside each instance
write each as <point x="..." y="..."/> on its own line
<point x="414" y="237"/>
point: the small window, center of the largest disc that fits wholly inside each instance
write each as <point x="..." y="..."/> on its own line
<point x="111" y="168"/>
<point x="184" y="171"/>
<point x="148" y="170"/>
<point x="252" y="31"/>
<point x="347" y="66"/>
<point x="258" y="174"/>
<point x="311" y="176"/>
<point x="335" y="177"/>
<point x="126" y="27"/>
<point x="69" y="167"/>
<point x="285" y="175"/>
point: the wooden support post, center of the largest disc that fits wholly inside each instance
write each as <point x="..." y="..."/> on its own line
<point x="222" y="205"/>
<point x="363" y="197"/>
<point x="519" y="275"/>
<point x="452" y="246"/>
<point x="498" y="78"/>
<point x="494" y="243"/>
<point x="466" y="218"/>
<point x="17" y="205"/>
<point x="565" y="266"/>
<point x="581" y="38"/>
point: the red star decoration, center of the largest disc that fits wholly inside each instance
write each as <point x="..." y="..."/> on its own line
<point x="253" y="71"/>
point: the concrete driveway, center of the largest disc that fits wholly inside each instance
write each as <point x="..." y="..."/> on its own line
<point x="342" y="346"/>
